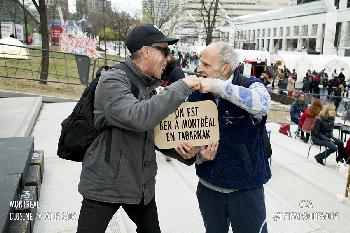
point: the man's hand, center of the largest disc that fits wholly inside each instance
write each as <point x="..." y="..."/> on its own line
<point x="208" y="153"/>
<point x="192" y="82"/>
<point x="186" y="150"/>
<point x="206" y="84"/>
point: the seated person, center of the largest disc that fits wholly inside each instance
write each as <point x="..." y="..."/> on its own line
<point x="307" y="119"/>
<point x="297" y="108"/>
<point x="322" y="135"/>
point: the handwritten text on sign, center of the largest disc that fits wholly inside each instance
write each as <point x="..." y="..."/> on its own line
<point x="193" y="122"/>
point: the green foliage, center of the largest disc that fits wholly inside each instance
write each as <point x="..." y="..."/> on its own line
<point x="110" y="35"/>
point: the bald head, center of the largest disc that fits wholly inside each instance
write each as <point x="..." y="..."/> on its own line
<point x="220" y="57"/>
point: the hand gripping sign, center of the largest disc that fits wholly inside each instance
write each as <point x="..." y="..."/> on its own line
<point x="193" y="122"/>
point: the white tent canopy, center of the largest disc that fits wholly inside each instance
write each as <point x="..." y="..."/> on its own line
<point x="253" y="55"/>
<point x="289" y="58"/>
<point x="319" y="61"/>
<point x="338" y="64"/>
<point x="302" y="65"/>
<point x="302" y="62"/>
<point x="13" y="48"/>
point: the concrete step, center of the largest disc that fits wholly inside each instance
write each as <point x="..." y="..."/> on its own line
<point x="18" y="116"/>
<point x="15" y="154"/>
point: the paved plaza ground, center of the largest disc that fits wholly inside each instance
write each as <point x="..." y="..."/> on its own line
<point x="298" y="183"/>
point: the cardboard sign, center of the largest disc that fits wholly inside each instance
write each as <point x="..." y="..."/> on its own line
<point x="193" y="122"/>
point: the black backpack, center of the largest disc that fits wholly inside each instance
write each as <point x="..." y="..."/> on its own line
<point x="241" y="81"/>
<point x="78" y="130"/>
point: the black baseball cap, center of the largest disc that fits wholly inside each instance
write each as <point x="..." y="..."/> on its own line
<point x="145" y="35"/>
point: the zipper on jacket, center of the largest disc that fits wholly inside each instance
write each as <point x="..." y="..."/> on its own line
<point x="108" y="145"/>
<point x="143" y="138"/>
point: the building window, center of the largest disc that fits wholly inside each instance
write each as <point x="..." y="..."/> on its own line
<point x="296" y="31"/>
<point x="253" y="35"/>
<point x="337" y="34"/>
<point x="314" y="30"/>
<point x="258" y="33"/>
<point x="274" y="32"/>
<point x="347" y="35"/>
<point x="263" y="33"/>
<point x="281" y="31"/>
<point x="269" y="32"/>
<point x="305" y="30"/>
<point x="336" y="4"/>
<point x="288" y="31"/>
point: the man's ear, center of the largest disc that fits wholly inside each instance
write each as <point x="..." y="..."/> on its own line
<point x="144" y="52"/>
<point x="226" y="69"/>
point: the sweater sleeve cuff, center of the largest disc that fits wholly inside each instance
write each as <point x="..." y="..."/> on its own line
<point x="218" y="86"/>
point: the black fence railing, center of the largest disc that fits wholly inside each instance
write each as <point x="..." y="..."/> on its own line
<point x="22" y="62"/>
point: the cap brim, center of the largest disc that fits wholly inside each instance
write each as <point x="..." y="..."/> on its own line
<point x="169" y="40"/>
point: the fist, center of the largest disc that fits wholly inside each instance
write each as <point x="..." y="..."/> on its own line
<point x="206" y="84"/>
<point x="192" y="82"/>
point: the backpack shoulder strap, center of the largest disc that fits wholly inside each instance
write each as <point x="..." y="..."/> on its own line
<point x="134" y="87"/>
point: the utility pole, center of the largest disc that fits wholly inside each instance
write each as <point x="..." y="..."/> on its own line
<point x="25" y="24"/>
<point x="1" y="5"/>
<point x="104" y="29"/>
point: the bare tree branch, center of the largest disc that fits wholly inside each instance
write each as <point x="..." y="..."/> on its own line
<point x="161" y="12"/>
<point x="36" y="5"/>
<point x="209" y="16"/>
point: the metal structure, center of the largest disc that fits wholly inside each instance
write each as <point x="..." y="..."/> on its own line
<point x="64" y="67"/>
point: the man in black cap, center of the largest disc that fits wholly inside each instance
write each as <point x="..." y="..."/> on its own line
<point x="119" y="168"/>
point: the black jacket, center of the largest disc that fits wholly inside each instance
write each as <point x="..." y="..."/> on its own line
<point x="323" y="128"/>
<point x="172" y="73"/>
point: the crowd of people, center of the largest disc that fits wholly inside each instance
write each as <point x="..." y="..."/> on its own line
<point x="184" y="59"/>
<point x="318" y="121"/>
<point x="317" y="83"/>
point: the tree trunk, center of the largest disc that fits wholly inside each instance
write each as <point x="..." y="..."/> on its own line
<point x="209" y="37"/>
<point x="25" y="24"/>
<point x="45" y="43"/>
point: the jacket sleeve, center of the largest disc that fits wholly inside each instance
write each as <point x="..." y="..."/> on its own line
<point x="318" y="130"/>
<point x="122" y="109"/>
<point x="255" y="99"/>
<point x="292" y="111"/>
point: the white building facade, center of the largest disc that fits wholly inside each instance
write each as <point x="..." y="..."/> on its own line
<point x="321" y="26"/>
<point x="192" y="30"/>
